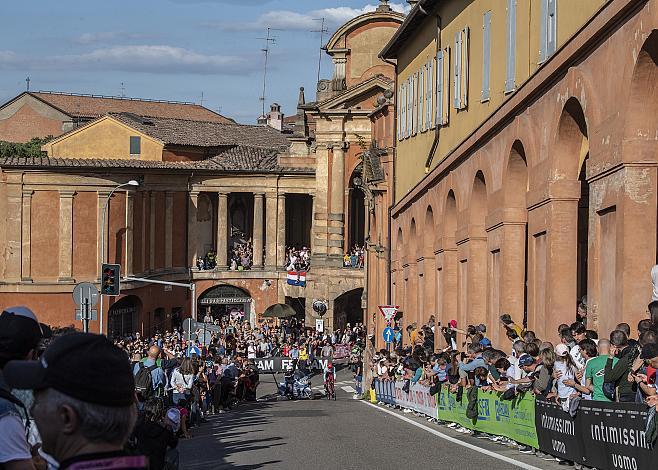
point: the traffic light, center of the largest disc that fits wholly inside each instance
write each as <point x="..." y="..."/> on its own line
<point x="110" y="280"/>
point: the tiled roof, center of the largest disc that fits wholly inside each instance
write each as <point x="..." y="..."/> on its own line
<point x="204" y="134"/>
<point x="236" y="159"/>
<point x="93" y="106"/>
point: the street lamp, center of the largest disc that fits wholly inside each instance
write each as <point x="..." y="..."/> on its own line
<point x="102" y="254"/>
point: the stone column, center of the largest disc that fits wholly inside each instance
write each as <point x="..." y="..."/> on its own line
<point x="66" y="235"/>
<point x="271" y="232"/>
<point x="336" y="218"/>
<point x="14" y="228"/>
<point x="319" y="248"/>
<point x="26" y="241"/>
<point x="152" y="246"/>
<point x="192" y="231"/>
<point x="222" y="230"/>
<point x="142" y="245"/>
<point x="129" y="269"/>
<point x="258" y="229"/>
<point x="169" y="229"/>
<point x="281" y="231"/>
<point x="102" y="241"/>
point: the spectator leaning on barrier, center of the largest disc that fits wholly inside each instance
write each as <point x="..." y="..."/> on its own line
<point x="618" y="374"/>
<point x="84" y="401"/>
<point x="20" y="333"/>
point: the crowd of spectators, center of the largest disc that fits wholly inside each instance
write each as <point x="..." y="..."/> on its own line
<point x="241" y="256"/>
<point x="573" y="364"/>
<point x="298" y="259"/>
<point x="355" y="258"/>
<point x="79" y="400"/>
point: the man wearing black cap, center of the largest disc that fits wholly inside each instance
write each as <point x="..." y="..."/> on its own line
<point x="84" y="401"/>
<point x="20" y="333"/>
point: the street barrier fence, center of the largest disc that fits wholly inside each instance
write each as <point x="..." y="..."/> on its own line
<point x="601" y="435"/>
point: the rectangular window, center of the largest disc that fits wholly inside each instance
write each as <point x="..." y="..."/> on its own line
<point x="421" y="99"/>
<point x="428" y="94"/>
<point x="410" y="99"/>
<point x="486" y="55"/>
<point x="510" y="79"/>
<point x="439" y="89"/>
<point x="135" y="146"/>
<point x="414" y="99"/>
<point x="403" y="105"/>
<point x="464" y="64"/>
<point x="398" y="113"/>
<point x="457" y="79"/>
<point x="461" y="69"/>
<point x="548" y="29"/>
<point x="443" y="76"/>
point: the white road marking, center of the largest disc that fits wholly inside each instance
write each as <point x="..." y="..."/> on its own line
<point x="457" y="441"/>
<point x="348" y="389"/>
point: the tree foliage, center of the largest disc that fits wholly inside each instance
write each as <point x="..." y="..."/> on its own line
<point x="27" y="149"/>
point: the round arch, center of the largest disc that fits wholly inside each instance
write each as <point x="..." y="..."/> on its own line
<point x="225" y="300"/>
<point x="428" y="233"/>
<point x="347" y="308"/>
<point x="123" y="316"/>
<point x="639" y="126"/>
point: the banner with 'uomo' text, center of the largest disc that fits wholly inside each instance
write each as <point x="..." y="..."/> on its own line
<point x="601" y="435"/>
<point x="514" y="419"/>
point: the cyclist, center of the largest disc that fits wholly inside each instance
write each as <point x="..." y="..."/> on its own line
<point x="329" y="380"/>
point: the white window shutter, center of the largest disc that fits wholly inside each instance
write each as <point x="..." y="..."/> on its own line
<point x="446" y="86"/>
<point x="551" y="28"/>
<point x="543" y="31"/>
<point x="439" y="89"/>
<point x="409" y="106"/>
<point x="429" y="80"/>
<point x="486" y="56"/>
<point x="510" y="79"/>
<point x="421" y="99"/>
<point x="463" y="87"/>
<point x="457" y="71"/>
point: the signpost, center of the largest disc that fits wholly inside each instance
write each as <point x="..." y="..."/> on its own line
<point x="85" y="296"/>
<point x="319" y="325"/>
<point x="388" y="335"/>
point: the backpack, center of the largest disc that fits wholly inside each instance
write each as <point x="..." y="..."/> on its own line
<point x="144" y="380"/>
<point x="7" y="395"/>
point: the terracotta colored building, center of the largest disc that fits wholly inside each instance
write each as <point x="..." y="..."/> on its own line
<point x="47" y="113"/>
<point x="525" y="171"/>
<point x="204" y="186"/>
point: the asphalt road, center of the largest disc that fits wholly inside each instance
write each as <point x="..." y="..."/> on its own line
<point x="341" y="434"/>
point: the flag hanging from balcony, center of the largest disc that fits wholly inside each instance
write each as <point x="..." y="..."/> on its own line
<point x="297" y="278"/>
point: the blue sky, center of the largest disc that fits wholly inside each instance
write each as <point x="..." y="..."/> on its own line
<point x="170" y="49"/>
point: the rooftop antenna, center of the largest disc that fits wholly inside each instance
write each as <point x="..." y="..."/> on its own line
<point x="201" y="98"/>
<point x="27" y="80"/>
<point x="123" y="90"/>
<point x="322" y="30"/>
<point x="268" y="40"/>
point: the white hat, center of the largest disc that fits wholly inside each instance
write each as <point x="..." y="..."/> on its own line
<point x="561" y="350"/>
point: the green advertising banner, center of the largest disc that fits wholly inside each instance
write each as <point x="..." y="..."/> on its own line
<point x="514" y="419"/>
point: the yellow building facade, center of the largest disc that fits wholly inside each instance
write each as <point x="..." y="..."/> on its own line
<point x="105" y="137"/>
<point x="462" y="61"/>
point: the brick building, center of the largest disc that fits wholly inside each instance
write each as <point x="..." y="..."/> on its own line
<point x="525" y="172"/>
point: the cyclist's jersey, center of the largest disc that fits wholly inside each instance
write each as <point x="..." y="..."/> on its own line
<point x="327" y="373"/>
